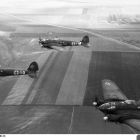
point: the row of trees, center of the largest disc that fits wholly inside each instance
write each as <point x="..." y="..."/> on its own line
<point x="123" y="19"/>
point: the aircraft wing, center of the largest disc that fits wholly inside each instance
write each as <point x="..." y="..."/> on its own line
<point x="134" y="123"/>
<point x="57" y="48"/>
<point x="112" y="91"/>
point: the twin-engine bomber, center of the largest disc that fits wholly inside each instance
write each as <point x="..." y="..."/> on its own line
<point x="31" y="71"/>
<point x="56" y="42"/>
<point x="117" y="107"/>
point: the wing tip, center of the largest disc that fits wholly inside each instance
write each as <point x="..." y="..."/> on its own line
<point x="111" y="90"/>
<point x="108" y="84"/>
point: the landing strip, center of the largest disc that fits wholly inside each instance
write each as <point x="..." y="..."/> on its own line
<point x="60" y="99"/>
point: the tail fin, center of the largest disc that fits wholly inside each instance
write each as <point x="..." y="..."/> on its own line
<point x="32" y="69"/>
<point x="85" y="41"/>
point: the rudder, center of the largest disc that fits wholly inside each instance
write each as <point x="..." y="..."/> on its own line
<point x="85" y="39"/>
<point x="32" y="69"/>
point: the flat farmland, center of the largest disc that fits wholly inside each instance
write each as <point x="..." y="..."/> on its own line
<point x="130" y="36"/>
<point x="60" y="99"/>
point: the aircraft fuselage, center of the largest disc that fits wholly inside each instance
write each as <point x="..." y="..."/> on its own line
<point x="31" y="71"/>
<point x="10" y="72"/>
<point x="59" y="43"/>
<point x="110" y="107"/>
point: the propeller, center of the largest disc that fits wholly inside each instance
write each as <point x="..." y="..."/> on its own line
<point x="105" y="118"/>
<point x="95" y="102"/>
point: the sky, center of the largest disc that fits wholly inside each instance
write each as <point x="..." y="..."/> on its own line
<point x="31" y="6"/>
<point x="65" y="12"/>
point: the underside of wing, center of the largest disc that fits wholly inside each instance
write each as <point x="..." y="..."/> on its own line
<point x="134" y="123"/>
<point x="57" y="48"/>
<point x="112" y="91"/>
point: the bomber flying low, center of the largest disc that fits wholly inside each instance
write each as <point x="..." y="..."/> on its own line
<point x="56" y="42"/>
<point x="31" y="71"/>
<point x="116" y="106"/>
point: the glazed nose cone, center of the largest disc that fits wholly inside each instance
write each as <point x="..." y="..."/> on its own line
<point x="104" y="106"/>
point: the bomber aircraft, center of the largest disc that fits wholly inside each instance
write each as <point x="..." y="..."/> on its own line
<point x="116" y="106"/>
<point x="31" y="71"/>
<point x="56" y="42"/>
